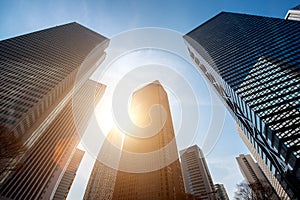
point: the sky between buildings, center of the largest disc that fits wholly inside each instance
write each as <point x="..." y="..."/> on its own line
<point x="110" y="18"/>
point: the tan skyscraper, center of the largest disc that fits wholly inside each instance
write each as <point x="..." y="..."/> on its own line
<point x="196" y="175"/>
<point x="42" y="73"/>
<point x="278" y="189"/>
<point x="155" y="183"/>
<point x="255" y="178"/>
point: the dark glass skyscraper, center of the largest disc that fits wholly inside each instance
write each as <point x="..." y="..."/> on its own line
<point x="253" y="63"/>
<point x="41" y="73"/>
<point x="40" y="68"/>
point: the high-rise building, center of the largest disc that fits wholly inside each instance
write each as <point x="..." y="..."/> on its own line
<point x="293" y="14"/>
<point x="159" y="179"/>
<point x="221" y="192"/>
<point x="252" y="62"/>
<point x="103" y="177"/>
<point x="255" y="178"/>
<point x="43" y="75"/>
<point x="68" y="176"/>
<point x="40" y="68"/>
<point x="46" y="160"/>
<point x="196" y="175"/>
<point x="278" y="189"/>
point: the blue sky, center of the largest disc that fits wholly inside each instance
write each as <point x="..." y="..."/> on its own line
<point x="113" y="17"/>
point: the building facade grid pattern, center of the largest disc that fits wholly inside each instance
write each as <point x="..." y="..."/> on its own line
<point x="38" y="73"/>
<point x="253" y="64"/>
<point x="196" y="175"/>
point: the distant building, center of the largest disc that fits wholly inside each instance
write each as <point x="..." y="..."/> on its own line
<point x="164" y="180"/>
<point x="293" y="14"/>
<point x="253" y="63"/>
<point x="68" y="176"/>
<point x="196" y="175"/>
<point x="255" y="178"/>
<point x="278" y="189"/>
<point x="221" y="192"/>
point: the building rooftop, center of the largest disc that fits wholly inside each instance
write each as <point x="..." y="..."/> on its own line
<point x="296" y="7"/>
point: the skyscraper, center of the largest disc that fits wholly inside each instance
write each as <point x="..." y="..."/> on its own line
<point x="221" y="192"/>
<point x="40" y="68"/>
<point x="164" y="180"/>
<point x="68" y="176"/>
<point x="255" y="178"/>
<point x="278" y="189"/>
<point x="253" y="64"/>
<point x="103" y="177"/>
<point x="41" y="74"/>
<point x="196" y="175"/>
<point x="46" y="160"/>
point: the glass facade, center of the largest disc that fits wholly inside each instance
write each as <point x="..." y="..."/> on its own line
<point x="37" y="69"/>
<point x="253" y="63"/>
<point x="38" y="73"/>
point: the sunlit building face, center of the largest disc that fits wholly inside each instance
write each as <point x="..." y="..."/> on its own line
<point x="158" y="178"/>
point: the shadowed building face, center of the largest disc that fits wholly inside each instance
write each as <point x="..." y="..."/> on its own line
<point x="40" y="73"/>
<point x="253" y="63"/>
